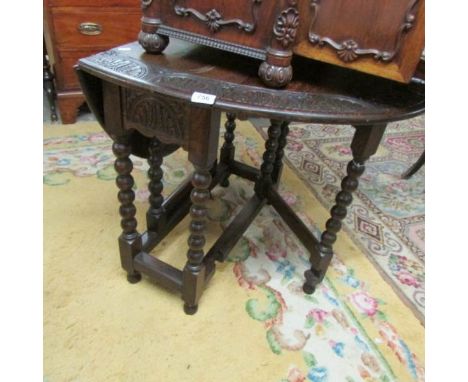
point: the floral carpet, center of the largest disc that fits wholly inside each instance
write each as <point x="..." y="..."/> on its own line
<point x="386" y="219"/>
<point x="353" y="328"/>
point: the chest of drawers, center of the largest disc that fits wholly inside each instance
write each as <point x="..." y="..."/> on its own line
<point x="380" y="37"/>
<point x="80" y="28"/>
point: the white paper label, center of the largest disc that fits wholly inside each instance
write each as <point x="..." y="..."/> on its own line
<point x="208" y="99"/>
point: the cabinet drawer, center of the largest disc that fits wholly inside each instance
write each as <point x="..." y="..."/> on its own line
<point x="94" y="3"/>
<point x="95" y="27"/>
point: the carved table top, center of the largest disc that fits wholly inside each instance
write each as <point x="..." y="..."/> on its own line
<point x="318" y="93"/>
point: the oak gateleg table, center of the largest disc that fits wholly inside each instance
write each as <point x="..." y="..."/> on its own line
<point x="146" y="104"/>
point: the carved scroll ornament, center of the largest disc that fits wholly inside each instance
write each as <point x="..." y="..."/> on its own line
<point x="349" y="50"/>
<point x="215" y="21"/>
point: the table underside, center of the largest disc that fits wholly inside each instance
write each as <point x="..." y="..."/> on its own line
<point x="177" y="206"/>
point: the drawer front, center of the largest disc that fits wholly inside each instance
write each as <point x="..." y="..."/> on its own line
<point x="245" y="22"/>
<point x="95" y="27"/>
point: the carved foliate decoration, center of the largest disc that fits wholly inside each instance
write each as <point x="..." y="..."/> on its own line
<point x="121" y="64"/>
<point x="290" y="101"/>
<point x="150" y="113"/>
<point x="349" y="50"/>
<point x="285" y="28"/>
<point x="142" y="113"/>
<point x="214" y="19"/>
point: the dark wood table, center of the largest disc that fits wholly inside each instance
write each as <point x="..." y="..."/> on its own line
<point x="144" y="102"/>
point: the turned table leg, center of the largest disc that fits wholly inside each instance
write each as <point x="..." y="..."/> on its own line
<point x="194" y="271"/>
<point x="282" y="142"/>
<point x="156" y="215"/>
<point x="415" y="167"/>
<point x="265" y="181"/>
<point x="129" y="240"/>
<point x="228" y="150"/>
<point x="365" y="143"/>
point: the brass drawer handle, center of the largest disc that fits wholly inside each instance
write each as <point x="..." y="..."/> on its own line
<point x="90" y="29"/>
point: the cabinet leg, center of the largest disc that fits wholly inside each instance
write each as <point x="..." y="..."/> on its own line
<point x="365" y="143"/>
<point x="149" y="39"/>
<point x="194" y="271"/>
<point x="276" y="73"/>
<point x="129" y="240"/>
<point x="68" y="106"/>
<point x="152" y="42"/>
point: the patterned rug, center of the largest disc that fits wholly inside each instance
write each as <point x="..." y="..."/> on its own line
<point x="254" y="322"/>
<point x="386" y="219"/>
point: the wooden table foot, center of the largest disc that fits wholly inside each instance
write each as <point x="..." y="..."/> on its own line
<point x="190" y="309"/>
<point x="133" y="278"/>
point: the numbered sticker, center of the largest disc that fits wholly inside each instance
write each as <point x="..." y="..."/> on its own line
<point x="208" y="99"/>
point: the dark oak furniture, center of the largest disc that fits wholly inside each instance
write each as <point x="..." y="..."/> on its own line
<point x="384" y="37"/>
<point x="79" y="28"/>
<point x="144" y="102"/>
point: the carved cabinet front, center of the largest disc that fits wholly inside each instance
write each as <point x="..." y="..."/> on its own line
<point x="381" y="37"/>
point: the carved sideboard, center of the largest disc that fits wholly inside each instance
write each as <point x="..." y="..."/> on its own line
<point x="78" y="28"/>
<point x="380" y="37"/>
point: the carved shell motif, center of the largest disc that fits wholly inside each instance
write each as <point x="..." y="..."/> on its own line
<point x="347" y="51"/>
<point x="286" y="26"/>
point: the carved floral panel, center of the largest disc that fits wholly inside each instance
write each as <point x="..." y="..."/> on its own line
<point x="362" y="28"/>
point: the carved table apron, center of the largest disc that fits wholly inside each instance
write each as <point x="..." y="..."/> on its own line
<point x="144" y="103"/>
